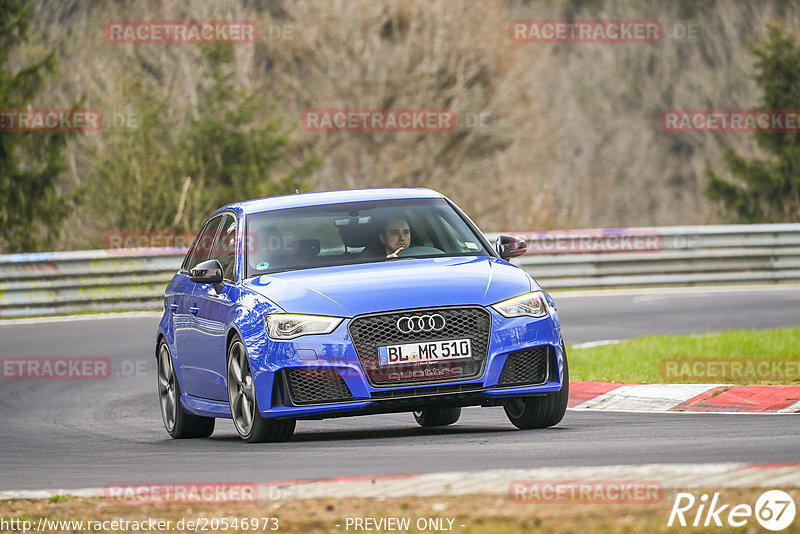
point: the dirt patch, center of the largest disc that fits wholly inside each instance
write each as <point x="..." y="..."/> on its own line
<point x="471" y="514"/>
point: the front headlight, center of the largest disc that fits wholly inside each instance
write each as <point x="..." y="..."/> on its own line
<point x="530" y="304"/>
<point x="290" y="325"/>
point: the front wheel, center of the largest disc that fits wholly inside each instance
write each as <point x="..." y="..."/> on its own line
<point x="437" y="416"/>
<point x="247" y="419"/>
<point x="178" y="422"/>
<point x="540" y="412"/>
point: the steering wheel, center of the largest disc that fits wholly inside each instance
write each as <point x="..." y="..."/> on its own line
<point x="419" y="251"/>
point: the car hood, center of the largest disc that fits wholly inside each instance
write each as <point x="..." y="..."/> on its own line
<point x="346" y="291"/>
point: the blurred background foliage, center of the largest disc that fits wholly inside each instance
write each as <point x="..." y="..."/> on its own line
<point x="767" y="189"/>
<point x="548" y="135"/>
<point x="30" y="164"/>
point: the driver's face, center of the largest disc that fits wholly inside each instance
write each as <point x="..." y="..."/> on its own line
<point x="396" y="234"/>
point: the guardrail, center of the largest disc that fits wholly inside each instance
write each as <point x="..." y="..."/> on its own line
<point x="675" y="255"/>
<point x="98" y="280"/>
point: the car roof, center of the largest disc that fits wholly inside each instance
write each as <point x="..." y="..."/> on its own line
<point x="329" y="197"/>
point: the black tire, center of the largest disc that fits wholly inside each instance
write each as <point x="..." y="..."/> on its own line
<point x="540" y="412"/>
<point x="438" y="416"/>
<point x="247" y="419"/>
<point x="179" y="423"/>
<point x="271" y="430"/>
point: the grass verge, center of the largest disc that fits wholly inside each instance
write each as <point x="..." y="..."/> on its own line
<point x="479" y="514"/>
<point x="730" y="357"/>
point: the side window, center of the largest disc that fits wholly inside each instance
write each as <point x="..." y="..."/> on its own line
<point x="201" y="249"/>
<point x="225" y="247"/>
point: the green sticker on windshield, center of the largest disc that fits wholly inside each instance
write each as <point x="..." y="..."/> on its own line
<point x="471" y="245"/>
<point x="263" y="265"/>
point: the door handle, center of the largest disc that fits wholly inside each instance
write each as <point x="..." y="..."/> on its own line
<point x="173" y="307"/>
<point x="194" y="310"/>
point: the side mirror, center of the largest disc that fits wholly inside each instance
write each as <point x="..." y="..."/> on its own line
<point x="510" y="247"/>
<point x="208" y="272"/>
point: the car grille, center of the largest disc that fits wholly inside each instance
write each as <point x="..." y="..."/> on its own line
<point x="371" y="331"/>
<point x="527" y="366"/>
<point x="316" y="385"/>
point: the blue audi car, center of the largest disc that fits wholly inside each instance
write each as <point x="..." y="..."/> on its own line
<point x="345" y="303"/>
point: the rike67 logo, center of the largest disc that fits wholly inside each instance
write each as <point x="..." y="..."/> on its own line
<point x="774" y="510"/>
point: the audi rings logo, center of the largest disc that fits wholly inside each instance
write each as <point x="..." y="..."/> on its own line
<point x="420" y="323"/>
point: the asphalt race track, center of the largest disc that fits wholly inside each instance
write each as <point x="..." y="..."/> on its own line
<point x="80" y="434"/>
<point x="621" y="314"/>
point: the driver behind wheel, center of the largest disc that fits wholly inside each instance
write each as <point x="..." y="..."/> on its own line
<point x="395" y="236"/>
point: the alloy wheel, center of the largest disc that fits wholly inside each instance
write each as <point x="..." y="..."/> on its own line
<point x="240" y="389"/>
<point x="167" y="390"/>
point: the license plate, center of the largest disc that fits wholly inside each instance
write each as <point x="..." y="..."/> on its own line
<point x="430" y="351"/>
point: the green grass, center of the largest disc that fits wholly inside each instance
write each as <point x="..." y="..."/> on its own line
<point x="667" y="359"/>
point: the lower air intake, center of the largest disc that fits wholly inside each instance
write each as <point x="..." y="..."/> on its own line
<point x="315" y="386"/>
<point x="528" y="367"/>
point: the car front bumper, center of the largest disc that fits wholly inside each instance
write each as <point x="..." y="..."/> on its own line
<point x="318" y="357"/>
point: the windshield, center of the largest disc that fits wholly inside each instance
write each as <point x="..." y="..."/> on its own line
<point x="357" y="232"/>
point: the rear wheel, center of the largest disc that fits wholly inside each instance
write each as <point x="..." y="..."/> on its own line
<point x="178" y="423"/>
<point x="247" y="419"/>
<point x="540" y="412"/>
<point x="437" y="416"/>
